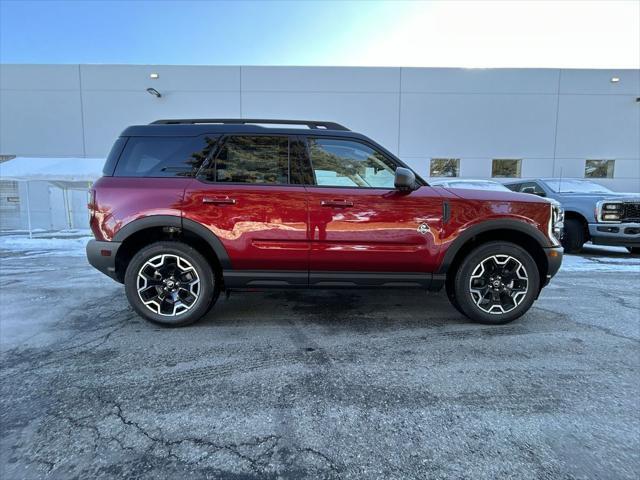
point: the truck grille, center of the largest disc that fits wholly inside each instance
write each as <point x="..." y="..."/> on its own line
<point x="631" y="212"/>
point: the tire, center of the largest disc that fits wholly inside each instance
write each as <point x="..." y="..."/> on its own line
<point x="574" y="235"/>
<point x="176" y="281"/>
<point x="451" y="295"/>
<point x="634" y="250"/>
<point x="517" y="286"/>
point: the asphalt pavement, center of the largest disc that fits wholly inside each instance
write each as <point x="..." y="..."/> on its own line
<point x="315" y="384"/>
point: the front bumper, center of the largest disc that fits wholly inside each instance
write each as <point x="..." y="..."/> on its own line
<point x="102" y="256"/>
<point x="554" y="260"/>
<point x="616" y="234"/>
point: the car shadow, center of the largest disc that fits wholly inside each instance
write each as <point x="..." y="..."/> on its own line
<point x="340" y="310"/>
<point x="590" y="250"/>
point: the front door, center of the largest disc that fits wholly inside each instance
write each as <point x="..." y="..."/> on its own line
<point x="359" y="222"/>
<point x="245" y="197"/>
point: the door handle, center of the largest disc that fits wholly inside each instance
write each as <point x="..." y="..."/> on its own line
<point x="336" y="203"/>
<point x="219" y="200"/>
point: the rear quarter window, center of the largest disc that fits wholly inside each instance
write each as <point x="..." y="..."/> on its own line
<point x="114" y="155"/>
<point x="163" y="156"/>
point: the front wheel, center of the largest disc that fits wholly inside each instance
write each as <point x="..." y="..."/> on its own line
<point x="574" y="235"/>
<point x="170" y="283"/>
<point x="634" y="250"/>
<point x="496" y="283"/>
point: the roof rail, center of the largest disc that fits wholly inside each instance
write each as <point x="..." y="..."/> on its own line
<point x="243" y="121"/>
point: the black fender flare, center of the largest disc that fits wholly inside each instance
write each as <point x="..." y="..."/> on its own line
<point x="487" y="226"/>
<point x="183" y="224"/>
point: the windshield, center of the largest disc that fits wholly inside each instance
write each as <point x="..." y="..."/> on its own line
<point x="576" y="186"/>
<point x="479" y="186"/>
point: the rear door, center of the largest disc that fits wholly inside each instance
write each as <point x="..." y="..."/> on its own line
<point x="246" y="198"/>
<point x="358" y="221"/>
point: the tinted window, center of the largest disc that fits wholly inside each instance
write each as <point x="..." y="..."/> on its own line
<point x="258" y="159"/>
<point x="531" y="187"/>
<point x="163" y="156"/>
<point x="346" y="163"/>
<point x="599" y="168"/>
<point x="506" y="168"/>
<point x="444" y="167"/>
<point x="114" y="155"/>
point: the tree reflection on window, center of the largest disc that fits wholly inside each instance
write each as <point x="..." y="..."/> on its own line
<point x="347" y="163"/>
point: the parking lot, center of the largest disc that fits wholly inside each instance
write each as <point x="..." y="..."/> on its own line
<point x="321" y="384"/>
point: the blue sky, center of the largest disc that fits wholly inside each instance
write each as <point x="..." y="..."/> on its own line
<point x="411" y="33"/>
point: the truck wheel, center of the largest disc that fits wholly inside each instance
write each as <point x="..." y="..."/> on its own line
<point x="496" y="283"/>
<point x="170" y="283"/>
<point x="574" y="236"/>
<point x="634" y="250"/>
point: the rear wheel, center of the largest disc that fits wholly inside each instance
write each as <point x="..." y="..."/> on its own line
<point x="170" y="283"/>
<point x="574" y="235"/>
<point x="497" y="283"/>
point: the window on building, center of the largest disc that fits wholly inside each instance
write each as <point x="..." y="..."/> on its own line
<point x="253" y="159"/>
<point x="345" y="163"/>
<point x="444" y="167"/>
<point x="506" y="168"/>
<point x="599" y="168"/>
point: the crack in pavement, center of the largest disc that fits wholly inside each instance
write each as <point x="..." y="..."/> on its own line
<point x="102" y="339"/>
<point x="258" y="464"/>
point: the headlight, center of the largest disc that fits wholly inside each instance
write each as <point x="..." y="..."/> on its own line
<point x="608" y="211"/>
<point x="556" y="222"/>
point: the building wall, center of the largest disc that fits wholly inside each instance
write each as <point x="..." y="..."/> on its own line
<point x="553" y="119"/>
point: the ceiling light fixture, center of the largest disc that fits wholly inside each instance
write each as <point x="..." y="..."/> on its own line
<point x="615" y="79"/>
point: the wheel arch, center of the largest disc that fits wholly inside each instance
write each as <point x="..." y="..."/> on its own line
<point x="144" y="231"/>
<point x="514" y="231"/>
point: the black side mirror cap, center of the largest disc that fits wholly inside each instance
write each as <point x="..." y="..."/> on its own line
<point x="405" y="179"/>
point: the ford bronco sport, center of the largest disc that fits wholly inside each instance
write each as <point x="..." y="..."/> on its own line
<point x="187" y="209"/>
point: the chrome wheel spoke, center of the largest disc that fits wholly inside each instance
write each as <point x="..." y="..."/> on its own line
<point x="498" y="284"/>
<point x="168" y="285"/>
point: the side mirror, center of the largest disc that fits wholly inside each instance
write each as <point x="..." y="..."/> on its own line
<point x="405" y="179"/>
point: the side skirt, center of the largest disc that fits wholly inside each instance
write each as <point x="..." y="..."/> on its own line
<point x="235" y="279"/>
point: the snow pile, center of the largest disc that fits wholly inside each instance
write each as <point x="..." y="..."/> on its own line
<point x="66" y="243"/>
<point x="577" y="263"/>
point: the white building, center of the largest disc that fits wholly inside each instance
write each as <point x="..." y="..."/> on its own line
<point x="552" y="122"/>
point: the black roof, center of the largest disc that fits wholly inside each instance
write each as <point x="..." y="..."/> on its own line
<point x="193" y="127"/>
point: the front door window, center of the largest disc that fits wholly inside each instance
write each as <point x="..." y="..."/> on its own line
<point x="345" y="163"/>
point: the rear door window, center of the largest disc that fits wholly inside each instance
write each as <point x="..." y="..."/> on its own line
<point x="252" y="159"/>
<point x="164" y="156"/>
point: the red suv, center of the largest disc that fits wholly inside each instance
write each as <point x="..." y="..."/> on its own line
<point x="189" y="208"/>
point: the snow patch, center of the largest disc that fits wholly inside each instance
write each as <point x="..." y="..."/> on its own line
<point x="50" y="245"/>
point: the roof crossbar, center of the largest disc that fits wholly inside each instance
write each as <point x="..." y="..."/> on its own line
<point x="243" y="121"/>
